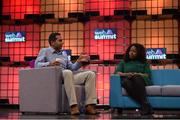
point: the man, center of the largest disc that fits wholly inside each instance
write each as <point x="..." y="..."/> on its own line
<point x="53" y="56"/>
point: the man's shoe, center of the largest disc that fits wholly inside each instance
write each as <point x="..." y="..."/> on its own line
<point x="91" y="110"/>
<point x="74" y="110"/>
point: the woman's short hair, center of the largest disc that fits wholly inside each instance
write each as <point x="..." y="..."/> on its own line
<point x="141" y="53"/>
<point x="52" y="37"/>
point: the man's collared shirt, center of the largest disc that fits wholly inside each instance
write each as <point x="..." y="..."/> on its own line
<point x="47" y="55"/>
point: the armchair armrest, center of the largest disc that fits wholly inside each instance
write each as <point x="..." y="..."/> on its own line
<point x="115" y="91"/>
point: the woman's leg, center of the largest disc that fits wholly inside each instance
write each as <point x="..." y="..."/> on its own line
<point x="139" y="88"/>
<point x="140" y="92"/>
<point x="135" y="88"/>
<point x="128" y="85"/>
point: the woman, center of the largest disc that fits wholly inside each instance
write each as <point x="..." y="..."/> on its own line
<point x="135" y="73"/>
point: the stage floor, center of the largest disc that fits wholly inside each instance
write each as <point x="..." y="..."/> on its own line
<point x="8" y="113"/>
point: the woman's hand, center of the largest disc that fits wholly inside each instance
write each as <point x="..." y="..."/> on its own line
<point x="129" y="75"/>
<point x="132" y="74"/>
<point x="125" y="74"/>
<point x="141" y="74"/>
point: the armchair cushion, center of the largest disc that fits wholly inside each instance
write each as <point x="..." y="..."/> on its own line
<point x="151" y="90"/>
<point x="171" y="90"/>
<point x="154" y="90"/>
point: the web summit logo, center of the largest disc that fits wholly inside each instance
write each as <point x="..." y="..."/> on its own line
<point x="101" y="34"/>
<point x="14" y="37"/>
<point x="156" y="53"/>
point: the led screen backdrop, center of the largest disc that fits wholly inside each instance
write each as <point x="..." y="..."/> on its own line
<point x="79" y="35"/>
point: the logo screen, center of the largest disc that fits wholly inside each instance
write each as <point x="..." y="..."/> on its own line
<point x="156" y="53"/>
<point x="14" y="36"/>
<point x="105" y="34"/>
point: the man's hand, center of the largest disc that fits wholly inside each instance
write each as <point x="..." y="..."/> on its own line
<point x="54" y="63"/>
<point x="83" y="58"/>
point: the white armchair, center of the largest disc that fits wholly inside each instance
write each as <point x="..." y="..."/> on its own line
<point x="42" y="90"/>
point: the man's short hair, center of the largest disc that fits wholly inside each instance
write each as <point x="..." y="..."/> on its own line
<point x="52" y="37"/>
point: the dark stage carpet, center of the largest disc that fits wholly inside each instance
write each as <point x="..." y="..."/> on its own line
<point x="13" y="113"/>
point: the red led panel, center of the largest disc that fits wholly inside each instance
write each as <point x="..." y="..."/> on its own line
<point x="17" y="8"/>
<point x="106" y="7"/>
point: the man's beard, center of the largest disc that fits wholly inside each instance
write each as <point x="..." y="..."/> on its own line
<point x="58" y="47"/>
